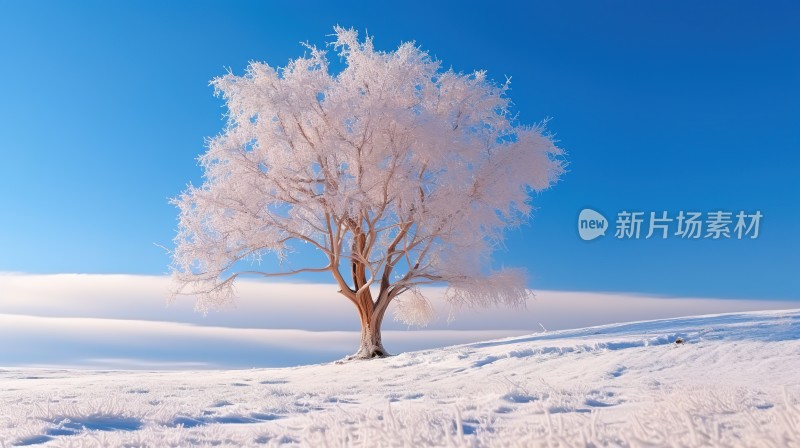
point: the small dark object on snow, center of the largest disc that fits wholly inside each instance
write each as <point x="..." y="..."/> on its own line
<point x="679" y="341"/>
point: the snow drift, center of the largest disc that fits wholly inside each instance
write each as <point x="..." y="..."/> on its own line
<point x="733" y="380"/>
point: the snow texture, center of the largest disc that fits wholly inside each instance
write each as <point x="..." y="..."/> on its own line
<point x="732" y="381"/>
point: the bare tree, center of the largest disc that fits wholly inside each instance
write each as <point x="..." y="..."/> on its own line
<point x="400" y="173"/>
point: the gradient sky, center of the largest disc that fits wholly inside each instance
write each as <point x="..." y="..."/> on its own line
<point x="660" y="106"/>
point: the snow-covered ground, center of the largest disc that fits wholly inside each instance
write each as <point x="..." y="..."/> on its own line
<point x="734" y="381"/>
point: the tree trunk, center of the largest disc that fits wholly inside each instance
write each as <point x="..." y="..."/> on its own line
<point x="371" y="344"/>
<point x="371" y="316"/>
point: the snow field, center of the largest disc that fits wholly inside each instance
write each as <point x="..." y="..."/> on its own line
<point x="735" y="381"/>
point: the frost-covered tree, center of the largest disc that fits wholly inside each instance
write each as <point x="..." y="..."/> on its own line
<point x="400" y="173"/>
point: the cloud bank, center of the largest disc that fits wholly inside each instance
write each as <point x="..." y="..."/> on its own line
<point x="124" y="322"/>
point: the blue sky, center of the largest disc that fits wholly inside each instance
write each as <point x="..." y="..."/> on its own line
<point x="660" y="106"/>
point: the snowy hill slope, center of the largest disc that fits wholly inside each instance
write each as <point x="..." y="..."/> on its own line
<point x="735" y="380"/>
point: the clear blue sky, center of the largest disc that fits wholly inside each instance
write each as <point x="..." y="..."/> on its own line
<point x="671" y="106"/>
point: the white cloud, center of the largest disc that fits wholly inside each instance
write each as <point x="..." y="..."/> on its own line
<point x="138" y="344"/>
<point x="123" y="321"/>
